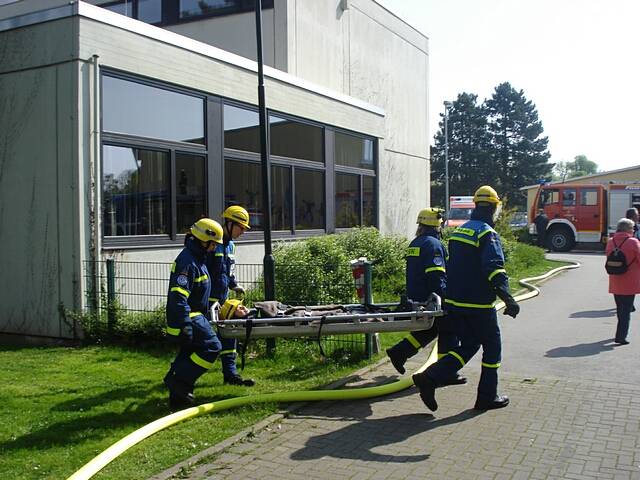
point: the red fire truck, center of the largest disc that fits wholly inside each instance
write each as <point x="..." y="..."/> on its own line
<point x="580" y="214"/>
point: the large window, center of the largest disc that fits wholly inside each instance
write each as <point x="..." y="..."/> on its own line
<point x="168" y="12"/>
<point x="355" y="180"/>
<point x="292" y="139"/>
<point x="147" y="111"/>
<point x="243" y="186"/>
<point x="154" y="179"/>
<point x="136" y="191"/>
<point x="165" y="164"/>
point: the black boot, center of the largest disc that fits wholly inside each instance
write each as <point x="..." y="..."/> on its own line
<point x="238" y="380"/>
<point x="427" y="389"/>
<point x="180" y="394"/>
<point x="397" y="359"/>
<point x="500" y="401"/>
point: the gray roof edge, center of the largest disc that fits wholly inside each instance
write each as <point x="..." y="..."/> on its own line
<point x="620" y="170"/>
<point x="111" y="18"/>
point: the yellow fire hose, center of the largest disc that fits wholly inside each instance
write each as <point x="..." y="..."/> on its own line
<point x="121" y="446"/>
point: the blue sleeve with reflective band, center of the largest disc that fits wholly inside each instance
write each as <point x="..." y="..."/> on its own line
<point x="492" y="258"/>
<point x="180" y="286"/>
<point x="434" y="257"/>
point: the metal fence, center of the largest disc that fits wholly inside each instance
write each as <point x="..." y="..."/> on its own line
<point x="135" y="287"/>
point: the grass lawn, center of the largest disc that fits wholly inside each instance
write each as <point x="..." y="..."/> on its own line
<point x="63" y="406"/>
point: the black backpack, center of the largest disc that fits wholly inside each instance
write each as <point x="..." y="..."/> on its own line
<point x="616" y="263"/>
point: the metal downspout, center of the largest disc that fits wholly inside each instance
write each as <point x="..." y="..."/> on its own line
<point x="97" y="200"/>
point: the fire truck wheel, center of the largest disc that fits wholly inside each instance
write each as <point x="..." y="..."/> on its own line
<point x="561" y="239"/>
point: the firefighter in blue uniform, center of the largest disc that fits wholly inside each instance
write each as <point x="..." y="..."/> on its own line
<point x="476" y="274"/>
<point x="187" y="313"/>
<point x="221" y="264"/>
<point x="425" y="273"/>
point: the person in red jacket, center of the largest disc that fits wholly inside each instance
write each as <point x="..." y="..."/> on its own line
<point x="625" y="286"/>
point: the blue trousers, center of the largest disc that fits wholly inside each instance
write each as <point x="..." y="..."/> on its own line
<point x="416" y="340"/>
<point x="228" y="357"/>
<point x="475" y="329"/>
<point x="195" y="359"/>
<point x="624" y="306"/>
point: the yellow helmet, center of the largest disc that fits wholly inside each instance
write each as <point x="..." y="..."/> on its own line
<point x="207" y="230"/>
<point x="237" y="214"/>
<point x="486" y="194"/>
<point x="228" y="308"/>
<point x="431" y="217"/>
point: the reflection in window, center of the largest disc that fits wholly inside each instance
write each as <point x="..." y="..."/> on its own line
<point x="309" y="188"/>
<point x="123" y="8"/>
<point x="241" y="129"/>
<point x="347" y="200"/>
<point x="242" y="186"/>
<point x="136" y="197"/>
<point x="150" y="11"/>
<point x="295" y="139"/>
<point x="196" y="8"/>
<point x="548" y="197"/>
<point x="568" y="198"/>
<point x="588" y="197"/>
<point x="137" y="109"/>
<point x="352" y="151"/>
<point x="280" y="198"/>
<point x="368" y="201"/>
<point x="190" y="190"/>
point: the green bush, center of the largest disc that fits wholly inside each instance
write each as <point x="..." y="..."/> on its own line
<point x="317" y="270"/>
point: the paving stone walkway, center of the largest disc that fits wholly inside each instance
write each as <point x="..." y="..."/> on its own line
<point x="553" y="429"/>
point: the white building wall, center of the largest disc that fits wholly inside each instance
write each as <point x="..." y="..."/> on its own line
<point x="39" y="230"/>
<point x="368" y="53"/>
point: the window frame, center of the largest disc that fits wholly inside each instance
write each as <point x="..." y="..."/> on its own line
<point x="215" y="156"/>
<point x="170" y="11"/>
<point x="151" y="143"/>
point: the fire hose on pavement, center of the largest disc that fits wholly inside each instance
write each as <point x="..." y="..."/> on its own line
<point x="124" y="444"/>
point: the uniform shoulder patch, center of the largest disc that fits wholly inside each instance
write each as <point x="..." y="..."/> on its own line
<point x="438" y="261"/>
<point x="182" y="280"/>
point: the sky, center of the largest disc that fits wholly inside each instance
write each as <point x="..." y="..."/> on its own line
<point x="578" y="61"/>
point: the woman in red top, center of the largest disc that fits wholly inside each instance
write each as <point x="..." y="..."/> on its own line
<point x="625" y="286"/>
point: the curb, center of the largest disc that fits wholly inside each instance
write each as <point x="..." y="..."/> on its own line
<point x="187" y="464"/>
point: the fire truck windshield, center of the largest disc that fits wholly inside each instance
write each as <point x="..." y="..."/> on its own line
<point x="460" y="213"/>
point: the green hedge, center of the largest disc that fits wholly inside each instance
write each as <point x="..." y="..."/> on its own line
<point x="310" y="272"/>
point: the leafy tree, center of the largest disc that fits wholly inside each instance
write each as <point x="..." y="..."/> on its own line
<point x="518" y="152"/>
<point x="580" y="167"/>
<point x="468" y="143"/>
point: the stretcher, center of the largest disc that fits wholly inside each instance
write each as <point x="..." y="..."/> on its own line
<point x="340" y="320"/>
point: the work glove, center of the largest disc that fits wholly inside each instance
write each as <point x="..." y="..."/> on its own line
<point x="511" y="306"/>
<point x="239" y="291"/>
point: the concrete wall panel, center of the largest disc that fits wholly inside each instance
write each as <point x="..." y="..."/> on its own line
<point x="37" y="45"/>
<point x="405" y="191"/>
<point x="32" y="186"/>
<point x="133" y="53"/>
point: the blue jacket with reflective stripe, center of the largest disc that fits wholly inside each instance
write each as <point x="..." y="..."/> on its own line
<point x="476" y="265"/>
<point x="426" y="268"/>
<point x="189" y="285"/>
<point x="222" y="265"/>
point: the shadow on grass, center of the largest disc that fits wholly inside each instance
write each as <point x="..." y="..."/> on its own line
<point x="357" y="440"/>
<point x="142" y="405"/>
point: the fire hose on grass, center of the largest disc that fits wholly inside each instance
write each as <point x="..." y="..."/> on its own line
<point x="121" y="446"/>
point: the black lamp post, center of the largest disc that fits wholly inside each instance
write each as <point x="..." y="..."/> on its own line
<point x="268" y="261"/>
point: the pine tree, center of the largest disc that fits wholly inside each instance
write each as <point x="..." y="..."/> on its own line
<point x="468" y="143"/>
<point x="518" y="151"/>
